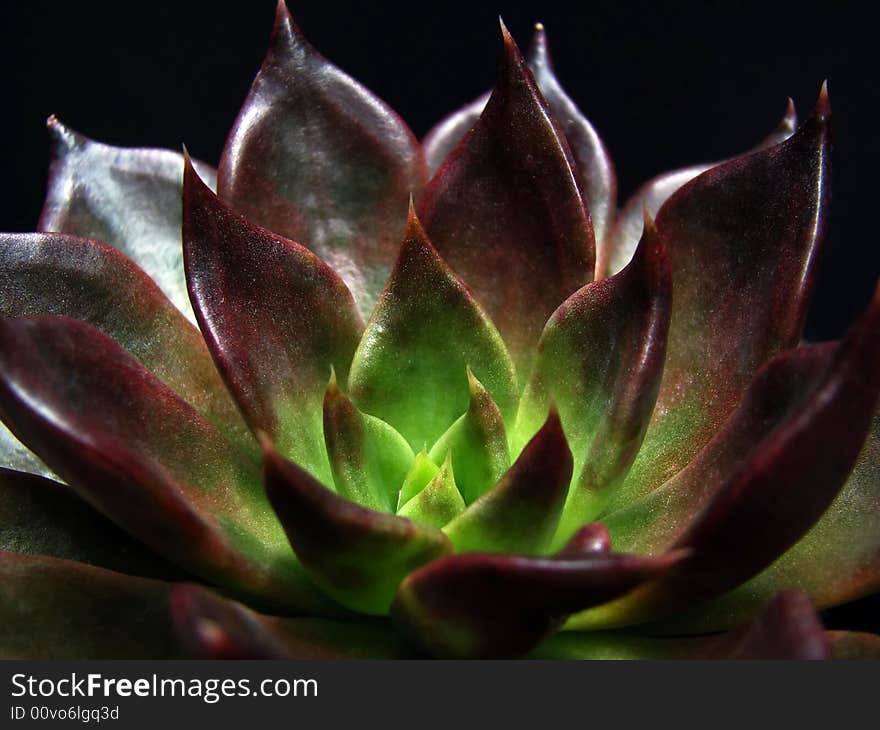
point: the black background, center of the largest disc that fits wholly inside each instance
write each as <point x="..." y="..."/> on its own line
<point x="665" y="84"/>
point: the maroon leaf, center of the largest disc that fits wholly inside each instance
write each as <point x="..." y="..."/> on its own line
<point x="138" y="453"/>
<point x="742" y="240"/>
<point x="356" y="555"/>
<point x="507" y="213"/>
<point x="444" y="137"/>
<point x="780" y="490"/>
<point x="617" y="248"/>
<point x="483" y="605"/>
<point x="590" y="539"/>
<point x="520" y="513"/>
<point x="44" y="273"/>
<point x="128" y="198"/>
<point x="315" y="157"/>
<point x="61" y="609"/>
<point x="41" y="517"/>
<point x="276" y="319"/>
<point x="211" y="627"/>
<point x="854" y="645"/>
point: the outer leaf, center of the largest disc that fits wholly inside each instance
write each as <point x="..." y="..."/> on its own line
<point x="590" y="539"/>
<point x="593" y="165"/>
<point x="617" y="248"/>
<point x="211" y="627"/>
<point x="315" y="157"/>
<point x="600" y="360"/>
<point x="742" y="240"/>
<point x="439" y="502"/>
<point x="356" y="555"/>
<point x="854" y="645"/>
<point x="16" y="456"/>
<point x="137" y="452"/>
<point x="477" y="442"/>
<point x="276" y="319"/>
<point x="521" y="512"/>
<point x="782" y="488"/>
<point x="89" y="281"/>
<point x="128" y="198"/>
<point x="507" y="212"/>
<point x="61" y="609"/>
<point x="42" y="517"/>
<point x="368" y="458"/>
<point x="480" y="605"/>
<point x="788" y="628"/>
<point x="409" y="369"/>
<point x="837" y="561"/>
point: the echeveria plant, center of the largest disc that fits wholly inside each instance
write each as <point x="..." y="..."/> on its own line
<point x="380" y="398"/>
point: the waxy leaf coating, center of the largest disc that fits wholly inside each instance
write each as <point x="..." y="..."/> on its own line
<point x="507" y="213"/>
<point x="410" y="368"/>
<point x="127" y="198"/>
<point x="742" y="240"/>
<point x="317" y="158"/>
<point x="358" y="556"/>
<point x="275" y="317"/>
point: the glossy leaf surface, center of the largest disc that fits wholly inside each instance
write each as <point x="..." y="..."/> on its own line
<point x="507" y="212"/>
<point x="410" y="368"/>
<point x="275" y="317"/>
<point x="127" y="198"/>
<point x="317" y="158"/>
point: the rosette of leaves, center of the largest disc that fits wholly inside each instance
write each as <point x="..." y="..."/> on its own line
<point x="355" y="395"/>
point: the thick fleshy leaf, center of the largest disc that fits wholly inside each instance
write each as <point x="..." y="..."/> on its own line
<point x="590" y="539"/>
<point x="44" y="273"/>
<point x="16" y="456"/>
<point x="315" y="157"/>
<point x="593" y="165"/>
<point x="211" y="627"/>
<point x="440" y="500"/>
<point x="410" y="368"/>
<point x="275" y="317"/>
<point x="787" y="628"/>
<point x="507" y="213"/>
<point x="419" y="475"/>
<point x="127" y="198"/>
<point x="837" y="561"/>
<point x="619" y="245"/>
<point x="41" y="517"/>
<point x="482" y="605"/>
<point x="742" y="241"/>
<point x="854" y="645"/>
<point x="780" y="489"/>
<point x="356" y="555"/>
<point x="521" y="512"/>
<point x="368" y="458"/>
<point x="138" y="453"/>
<point x="600" y="360"/>
<point x="62" y="609"/>
<point x="477" y="442"/>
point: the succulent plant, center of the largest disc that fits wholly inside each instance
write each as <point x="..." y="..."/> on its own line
<point x="380" y="398"/>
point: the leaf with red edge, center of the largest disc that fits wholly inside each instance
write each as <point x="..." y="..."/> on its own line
<point x="211" y="627"/>
<point x="410" y="368"/>
<point x="315" y="157"/>
<point x="368" y="458"/>
<point x="600" y="360"/>
<point x="782" y="487"/>
<point x="854" y="645"/>
<point x="617" y="248"/>
<point x="477" y="442"/>
<point x="45" y="273"/>
<point x="356" y="555"/>
<point x="787" y="628"/>
<point x="520" y="513"/>
<point x="137" y="452"/>
<point x="62" y="609"/>
<point x="507" y="213"/>
<point x="592" y="538"/>
<point x="275" y="317"/>
<point x="593" y="164"/>
<point x="127" y="198"/>
<point x="483" y="605"/>
<point x="41" y="517"/>
<point x="742" y="239"/>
